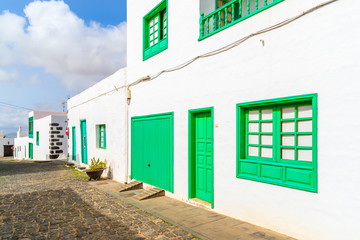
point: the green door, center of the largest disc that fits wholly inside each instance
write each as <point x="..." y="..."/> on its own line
<point x="73" y="144"/>
<point x="30" y="150"/>
<point x="152" y="150"/>
<point x="202" y="172"/>
<point x="84" y="157"/>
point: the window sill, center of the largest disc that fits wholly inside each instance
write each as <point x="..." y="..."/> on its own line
<point x="301" y="177"/>
<point x="155" y="49"/>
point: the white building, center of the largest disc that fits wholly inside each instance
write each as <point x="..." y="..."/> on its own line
<point x="6" y="145"/>
<point x="263" y="124"/>
<point x="21" y="144"/>
<point x="97" y="125"/>
<point x="46" y="138"/>
<point x="247" y="108"/>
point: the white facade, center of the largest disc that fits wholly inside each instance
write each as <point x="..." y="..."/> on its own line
<point x="47" y="139"/>
<point x="109" y="110"/>
<point x="316" y="54"/>
<point x="5" y="143"/>
<point x="21" y="143"/>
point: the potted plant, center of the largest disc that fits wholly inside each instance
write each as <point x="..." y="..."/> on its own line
<point x="96" y="168"/>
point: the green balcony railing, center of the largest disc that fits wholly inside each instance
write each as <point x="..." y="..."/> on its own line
<point x="231" y="13"/>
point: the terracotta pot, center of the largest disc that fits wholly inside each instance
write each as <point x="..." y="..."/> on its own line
<point x="94" y="174"/>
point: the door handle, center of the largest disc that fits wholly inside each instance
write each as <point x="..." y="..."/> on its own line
<point x="84" y="142"/>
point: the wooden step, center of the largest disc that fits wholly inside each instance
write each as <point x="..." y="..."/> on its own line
<point x="150" y="193"/>
<point x="131" y="186"/>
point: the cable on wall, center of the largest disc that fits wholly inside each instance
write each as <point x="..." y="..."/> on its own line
<point x="215" y="52"/>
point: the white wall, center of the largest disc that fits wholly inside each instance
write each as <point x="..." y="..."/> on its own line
<point x="22" y="147"/>
<point x="41" y="151"/>
<point x="43" y="126"/>
<point x="59" y="147"/>
<point x="109" y="110"/>
<point x="5" y="141"/>
<point x="315" y="54"/>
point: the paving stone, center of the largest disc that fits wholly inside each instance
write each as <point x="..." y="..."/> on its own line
<point x="48" y="201"/>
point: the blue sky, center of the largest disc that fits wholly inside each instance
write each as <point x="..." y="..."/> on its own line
<point x="50" y="50"/>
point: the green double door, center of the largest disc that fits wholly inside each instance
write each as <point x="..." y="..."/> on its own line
<point x="202" y="160"/>
<point x="84" y="155"/>
<point x="152" y="150"/>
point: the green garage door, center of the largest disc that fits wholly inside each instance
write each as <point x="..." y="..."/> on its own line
<point x="152" y="140"/>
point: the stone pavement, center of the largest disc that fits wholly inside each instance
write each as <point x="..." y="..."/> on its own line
<point x="200" y="222"/>
<point x="50" y="201"/>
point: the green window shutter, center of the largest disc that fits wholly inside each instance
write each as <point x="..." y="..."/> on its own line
<point x="277" y="141"/>
<point x="155" y="30"/>
<point x="37" y="138"/>
<point x="31" y="127"/>
<point x="102" y="136"/>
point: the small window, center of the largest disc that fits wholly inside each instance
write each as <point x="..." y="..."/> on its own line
<point x="101" y="136"/>
<point x="155" y="31"/>
<point x="37" y="138"/>
<point x="277" y="142"/>
<point x="31" y="127"/>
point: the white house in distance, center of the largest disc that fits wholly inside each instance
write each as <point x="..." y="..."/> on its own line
<point x="97" y="125"/>
<point x="6" y="145"/>
<point x="46" y="138"/>
<point x="245" y="106"/>
<point x="21" y="144"/>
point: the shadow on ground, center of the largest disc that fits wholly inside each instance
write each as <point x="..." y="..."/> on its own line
<point x="54" y="214"/>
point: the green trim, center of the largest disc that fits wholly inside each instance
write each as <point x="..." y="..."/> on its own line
<point x="37" y="138"/>
<point x="73" y="143"/>
<point x="31" y="151"/>
<point x="206" y="18"/>
<point x="135" y="169"/>
<point x="102" y="136"/>
<point x="161" y="42"/>
<point x="31" y="127"/>
<point x="275" y="170"/>
<point x="191" y="152"/>
<point x="83" y="136"/>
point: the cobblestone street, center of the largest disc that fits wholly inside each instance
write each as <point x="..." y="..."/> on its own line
<point x="51" y="201"/>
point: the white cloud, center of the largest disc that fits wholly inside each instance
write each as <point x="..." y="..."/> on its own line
<point x="35" y="80"/>
<point x="7" y="76"/>
<point x="60" y="42"/>
<point x="11" y="118"/>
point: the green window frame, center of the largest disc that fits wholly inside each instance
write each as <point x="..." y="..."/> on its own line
<point x="277" y="141"/>
<point x="102" y="136"/>
<point x="37" y="138"/>
<point x="31" y="127"/>
<point x="155" y="31"/>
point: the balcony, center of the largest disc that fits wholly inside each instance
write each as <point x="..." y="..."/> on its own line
<point x="228" y="13"/>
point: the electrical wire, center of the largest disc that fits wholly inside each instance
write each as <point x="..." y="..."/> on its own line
<point x="15" y="106"/>
<point x="215" y="52"/>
